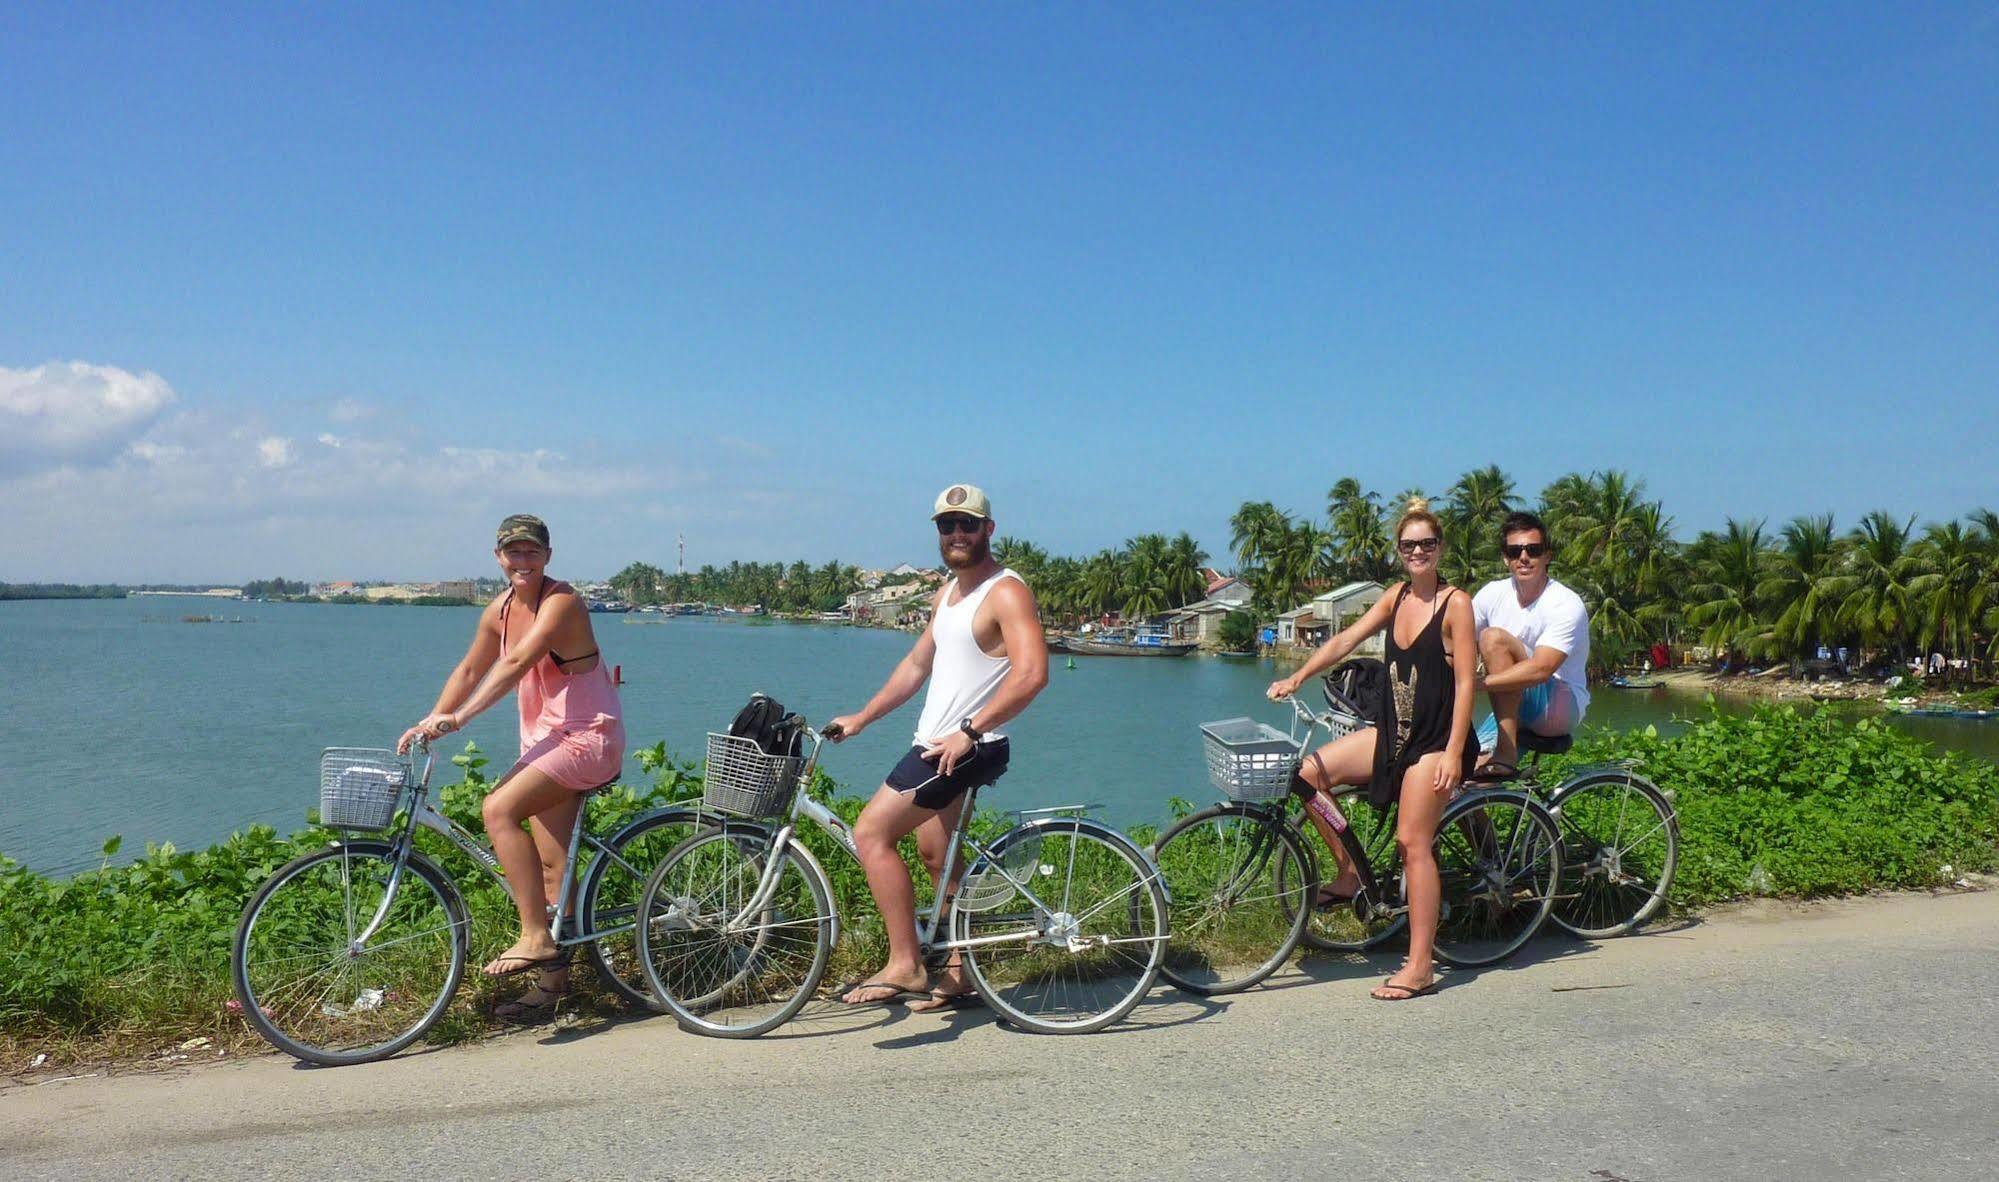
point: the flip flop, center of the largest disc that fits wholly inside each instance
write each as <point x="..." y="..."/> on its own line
<point x="1413" y="991"/>
<point x="1495" y="769"/>
<point x="940" y="1000"/>
<point x="897" y="995"/>
<point x="1328" y="898"/>
<point x="527" y="964"/>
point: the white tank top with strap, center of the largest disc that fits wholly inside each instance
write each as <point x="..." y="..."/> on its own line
<point x="964" y="677"/>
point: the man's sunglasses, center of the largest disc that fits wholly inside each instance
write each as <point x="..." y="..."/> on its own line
<point x="1530" y="550"/>
<point x="946" y="526"/>
<point x="1415" y="545"/>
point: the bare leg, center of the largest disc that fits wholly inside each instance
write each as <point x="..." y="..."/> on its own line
<point x="933" y="842"/>
<point x="1416" y="836"/>
<point x="887" y="819"/>
<point x="551" y="831"/>
<point x="524" y="793"/>
<point x="1501" y="650"/>
<point x="1346" y="760"/>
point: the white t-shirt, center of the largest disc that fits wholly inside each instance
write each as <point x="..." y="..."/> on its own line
<point x="1557" y="620"/>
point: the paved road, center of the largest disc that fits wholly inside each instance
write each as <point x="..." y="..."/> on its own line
<point x="1848" y="1040"/>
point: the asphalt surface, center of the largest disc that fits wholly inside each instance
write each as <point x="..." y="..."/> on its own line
<point x="1836" y="1041"/>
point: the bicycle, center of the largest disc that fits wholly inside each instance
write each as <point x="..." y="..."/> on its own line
<point x="1245" y="883"/>
<point x="1620" y="840"/>
<point x="351" y="953"/>
<point x="1060" y="922"/>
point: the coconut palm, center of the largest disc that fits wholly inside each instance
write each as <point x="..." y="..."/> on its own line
<point x="1728" y="568"/>
<point x="1185" y="583"/>
<point x="1876" y="603"/>
<point x="1800" y="596"/>
<point x="1359" y="530"/>
<point x="1951" y="593"/>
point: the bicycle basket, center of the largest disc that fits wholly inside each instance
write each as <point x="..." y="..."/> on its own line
<point x="987" y="889"/>
<point x="1249" y="760"/>
<point x="745" y="780"/>
<point x="359" y="788"/>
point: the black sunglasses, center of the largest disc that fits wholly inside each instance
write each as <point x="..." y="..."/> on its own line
<point x="958" y="523"/>
<point x="1529" y="550"/>
<point x="1413" y="545"/>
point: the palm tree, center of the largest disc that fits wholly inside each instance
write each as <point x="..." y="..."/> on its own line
<point x="1359" y="531"/>
<point x="1729" y="568"/>
<point x="1876" y="603"/>
<point x="1473" y="510"/>
<point x="1800" y="594"/>
<point x="1185" y="583"/>
<point x="1951" y="593"/>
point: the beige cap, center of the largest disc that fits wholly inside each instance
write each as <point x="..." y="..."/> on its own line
<point x="968" y="499"/>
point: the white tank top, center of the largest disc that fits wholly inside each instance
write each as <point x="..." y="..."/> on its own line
<point x="963" y="678"/>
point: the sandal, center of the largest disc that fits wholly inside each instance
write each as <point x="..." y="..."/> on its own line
<point x="1329" y="898"/>
<point x="1493" y="769"/>
<point x="938" y="999"/>
<point x="891" y="993"/>
<point x="1409" y="992"/>
<point x="532" y="1013"/>
<point x="525" y="964"/>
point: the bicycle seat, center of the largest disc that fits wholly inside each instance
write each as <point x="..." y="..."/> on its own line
<point x="1545" y="744"/>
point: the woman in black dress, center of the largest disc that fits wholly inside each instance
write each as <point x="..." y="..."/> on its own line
<point x="1432" y="654"/>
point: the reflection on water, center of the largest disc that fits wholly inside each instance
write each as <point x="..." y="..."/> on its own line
<point x="122" y="718"/>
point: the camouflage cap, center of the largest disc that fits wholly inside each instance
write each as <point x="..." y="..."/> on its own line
<point x="523" y="527"/>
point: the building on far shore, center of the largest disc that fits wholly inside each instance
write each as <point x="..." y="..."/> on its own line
<point x="1201" y="623"/>
<point x="1309" y="624"/>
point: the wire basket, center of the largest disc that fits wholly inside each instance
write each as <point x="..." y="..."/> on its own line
<point x="988" y="889"/>
<point x="1249" y="760"/>
<point x="745" y="780"/>
<point x="360" y="788"/>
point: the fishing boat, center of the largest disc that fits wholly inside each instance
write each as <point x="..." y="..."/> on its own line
<point x="1635" y="682"/>
<point x="1126" y="643"/>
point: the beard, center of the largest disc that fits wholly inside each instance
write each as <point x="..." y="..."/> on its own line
<point x="980" y="549"/>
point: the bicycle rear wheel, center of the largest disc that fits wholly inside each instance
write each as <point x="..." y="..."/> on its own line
<point x="1366" y="921"/>
<point x="720" y="967"/>
<point x="1620" y="847"/>
<point x="1500" y="861"/>
<point x="612" y="889"/>
<point x="1081" y="936"/>
<point x="1234" y="915"/>
<point x="309" y="991"/>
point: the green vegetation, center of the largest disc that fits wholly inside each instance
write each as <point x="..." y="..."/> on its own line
<point x="131" y="958"/>
<point x="60" y="591"/>
<point x="1238" y="633"/>
<point x="279" y="588"/>
<point x="796" y="587"/>
<point x="1149" y="574"/>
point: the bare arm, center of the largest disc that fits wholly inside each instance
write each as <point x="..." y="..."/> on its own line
<point x="1460" y="632"/>
<point x="555" y="611"/>
<point x="908" y="676"/>
<point x="1336" y="648"/>
<point x="1530" y="672"/>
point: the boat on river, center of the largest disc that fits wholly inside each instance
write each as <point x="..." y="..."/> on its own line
<point x="1126" y="644"/>
<point x="1635" y="682"/>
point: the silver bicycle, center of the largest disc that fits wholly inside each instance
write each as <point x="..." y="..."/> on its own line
<point x="351" y="953"/>
<point x="1060" y="921"/>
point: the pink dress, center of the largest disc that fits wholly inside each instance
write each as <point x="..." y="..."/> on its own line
<point x="570" y="725"/>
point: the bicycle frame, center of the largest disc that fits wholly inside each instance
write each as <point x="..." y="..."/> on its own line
<point x="422" y="813"/>
<point x="805" y="807"/>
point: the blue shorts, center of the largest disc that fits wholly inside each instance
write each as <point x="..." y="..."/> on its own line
<point x="918" y="776"/>
<point x="1548" y="709"/>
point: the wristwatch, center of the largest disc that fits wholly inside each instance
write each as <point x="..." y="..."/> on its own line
<point x="968" y="728"/>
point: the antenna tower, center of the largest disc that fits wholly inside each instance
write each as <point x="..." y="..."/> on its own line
<point x="682" y="567"/>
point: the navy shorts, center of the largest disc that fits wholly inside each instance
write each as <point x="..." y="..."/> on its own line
<point x="914" y="774"/>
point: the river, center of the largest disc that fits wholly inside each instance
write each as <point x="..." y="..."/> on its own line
<point x="120" y="717"/>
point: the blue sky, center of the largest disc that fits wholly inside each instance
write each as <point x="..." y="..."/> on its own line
<point x="325" y="293"/>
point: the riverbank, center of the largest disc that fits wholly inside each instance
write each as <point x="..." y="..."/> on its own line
<point x="1770" y="686"/>
<point x="127" y="963"/>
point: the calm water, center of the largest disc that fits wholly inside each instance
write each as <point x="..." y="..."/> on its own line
<point x="118" y="717"/>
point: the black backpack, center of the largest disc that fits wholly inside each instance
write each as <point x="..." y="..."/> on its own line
<point x="1360" y="687"/>
<point x="764" y="722"/>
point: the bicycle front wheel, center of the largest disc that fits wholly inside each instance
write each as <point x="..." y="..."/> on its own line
<point x="720" y="960"/>
<point x="614" y="885"/>
<point x="1500" y="862"/>
<point x="313" y="989"/>
<point x="1620" y="847"/>
<point x="1235" y="917"/>
<point x="1078" y="939"/>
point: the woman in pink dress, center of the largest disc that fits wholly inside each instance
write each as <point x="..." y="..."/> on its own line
<point x="535" y="636"/>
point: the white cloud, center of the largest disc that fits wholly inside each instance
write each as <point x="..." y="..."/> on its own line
<point x="330" y="439"/>
<point x="350" y="410"/>
<point x="275" y="451"/>
<point x="71" y="412"/>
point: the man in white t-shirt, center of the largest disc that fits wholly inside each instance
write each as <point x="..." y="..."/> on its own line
<point x="1533" y="634"/>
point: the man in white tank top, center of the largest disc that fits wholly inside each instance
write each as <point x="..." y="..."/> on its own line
<point x="985" y="659"/>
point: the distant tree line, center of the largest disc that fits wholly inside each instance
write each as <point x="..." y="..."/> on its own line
<point x="778" y="586"/>
<point x="61" y="591"/>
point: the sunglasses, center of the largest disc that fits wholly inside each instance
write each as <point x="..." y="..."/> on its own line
<point x="1530" y="550"/>
<point x="1418" y="545"/>
<point x="946" y="526"/>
